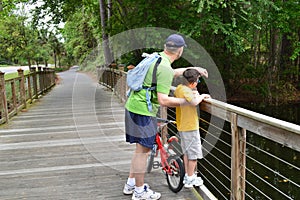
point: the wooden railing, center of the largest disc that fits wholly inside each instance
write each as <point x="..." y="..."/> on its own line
<point x="244" y="150"/>
<point x="16" y="93"/>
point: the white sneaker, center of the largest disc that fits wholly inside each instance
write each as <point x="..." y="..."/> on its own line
<point x="185" y="178"/>
<point x="147" y="194"/>
<point x="198" y="181"/>
<point x="194" y="181"/>
<point x="128" y="189"/>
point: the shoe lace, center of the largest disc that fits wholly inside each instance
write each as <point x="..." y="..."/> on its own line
<point x="145" y="188"/>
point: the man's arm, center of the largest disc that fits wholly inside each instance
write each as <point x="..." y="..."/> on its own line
<point x="165" y="100"/>
<point x="202" y="71"/>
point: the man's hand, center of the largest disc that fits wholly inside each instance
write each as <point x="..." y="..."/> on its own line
<point x="202" y="71"/>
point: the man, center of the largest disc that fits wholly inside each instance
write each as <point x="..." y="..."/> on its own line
<point x="140" y="123"/>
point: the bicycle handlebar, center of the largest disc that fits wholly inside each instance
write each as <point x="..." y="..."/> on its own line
<point x="162" y="120"/>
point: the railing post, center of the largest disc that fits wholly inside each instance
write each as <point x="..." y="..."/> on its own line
<point x="3" y="100"/>
<point x="52" y="77"/>
<point x="48" y="77"/>
<point x="164" y="131"/>
<point x="41" y="77"/>
<point x="22" y="87"/>
<point x="35" y="88"/>
<point x="29" y="88"/>
<point x="238" y="160"/>
<point x="125" y="87"/>
<point x="14" y="95"/>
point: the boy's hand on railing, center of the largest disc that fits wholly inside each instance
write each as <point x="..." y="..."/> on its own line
<point x="205" y="96"/>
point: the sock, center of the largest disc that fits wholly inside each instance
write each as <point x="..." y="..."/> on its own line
<point x="190" y="177"/>
<point x="139" y="189"/>
<point x="131" y="181"/>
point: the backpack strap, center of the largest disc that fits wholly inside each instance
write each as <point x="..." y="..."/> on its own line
<point x="154" y="78"/>
<point x="153" y="85"/>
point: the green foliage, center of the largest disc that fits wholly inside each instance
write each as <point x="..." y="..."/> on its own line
<point x="246" y="39"/>
<point x="79" y="36"/>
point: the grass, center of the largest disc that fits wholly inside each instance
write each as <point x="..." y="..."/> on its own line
<point x="14" y="75"/>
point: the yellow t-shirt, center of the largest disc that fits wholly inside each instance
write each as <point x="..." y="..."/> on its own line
<point x="186" y="116"/>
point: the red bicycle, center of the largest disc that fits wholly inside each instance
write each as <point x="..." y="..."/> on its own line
<point x="170" y="161"/>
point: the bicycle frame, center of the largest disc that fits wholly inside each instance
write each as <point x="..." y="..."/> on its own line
<point x="170" y="163"/>
<point x="163" y="155"/>
<point x="164" y="152"/>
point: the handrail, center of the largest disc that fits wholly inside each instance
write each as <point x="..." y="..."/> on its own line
<point x="255" y="116"/>
<point x="15" y="93"/>
<point x="237" y="171"/>
<point x="283" y="132"/>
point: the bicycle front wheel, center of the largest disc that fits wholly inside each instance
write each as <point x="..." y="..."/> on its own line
<point x="150" y="159"/>
<point x="175" y="179"/>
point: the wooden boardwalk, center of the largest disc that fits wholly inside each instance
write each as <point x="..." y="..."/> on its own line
<point x="70" y="145"/>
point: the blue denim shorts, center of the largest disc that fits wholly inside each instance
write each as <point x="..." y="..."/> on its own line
<point x="140" y="129"/>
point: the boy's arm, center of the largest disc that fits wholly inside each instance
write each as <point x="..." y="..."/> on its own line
<point x="199" y="98"/>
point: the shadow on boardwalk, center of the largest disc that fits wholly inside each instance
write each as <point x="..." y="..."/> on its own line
<point x="70" y="145"/>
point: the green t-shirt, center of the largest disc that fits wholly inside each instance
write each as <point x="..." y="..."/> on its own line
<point x="136" y="102"/>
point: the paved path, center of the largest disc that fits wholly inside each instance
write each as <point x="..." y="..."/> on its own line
<point x="70" y="145"/>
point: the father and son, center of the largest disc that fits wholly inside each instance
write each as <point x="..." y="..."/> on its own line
<point x="141" y="124"/>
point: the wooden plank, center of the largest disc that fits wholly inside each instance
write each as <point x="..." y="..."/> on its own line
<point x="242" y="157"/>
<point x="238" y="160"/>
<point x="234" y="158"/>
<point x="44" y="155"/>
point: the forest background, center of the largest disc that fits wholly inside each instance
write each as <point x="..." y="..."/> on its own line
<point x="255" y="44"/>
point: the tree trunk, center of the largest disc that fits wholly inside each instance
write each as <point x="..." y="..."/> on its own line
<point x="109" y="9"/>
<point x="29" y="62"/>
<point x="107" y="52"/>
<point x="285" y="54"/>
<point x="55" y="57"/>
<point x="274" y="58"/>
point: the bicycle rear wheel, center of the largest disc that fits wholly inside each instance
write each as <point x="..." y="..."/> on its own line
<point x="175" y="179"/>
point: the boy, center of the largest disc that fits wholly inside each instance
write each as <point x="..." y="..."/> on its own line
<point x="188" y="126"/>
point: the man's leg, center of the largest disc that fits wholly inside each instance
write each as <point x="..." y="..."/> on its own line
<point x="138" y="169"/>
<point x="138" y="164"/>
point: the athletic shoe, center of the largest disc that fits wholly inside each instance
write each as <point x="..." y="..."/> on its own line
<point x="185" y="178"/>
<point x="194" y="181"/>
<point x="147" y="194"/>
<point x="128" y="189"/>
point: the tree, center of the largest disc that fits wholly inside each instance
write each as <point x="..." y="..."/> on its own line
<point x="105" y="40"/>
<point x="255" y="44"/>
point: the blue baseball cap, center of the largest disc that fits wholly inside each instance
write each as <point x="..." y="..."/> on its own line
<point x="175" y="40"/>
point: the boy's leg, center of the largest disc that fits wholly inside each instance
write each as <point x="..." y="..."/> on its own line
<point x="185" y="162"/>
<point x="191" y="167"/>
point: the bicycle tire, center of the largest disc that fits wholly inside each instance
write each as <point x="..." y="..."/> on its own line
<point x="150" y="159"/>
<point x="175" y="180"/>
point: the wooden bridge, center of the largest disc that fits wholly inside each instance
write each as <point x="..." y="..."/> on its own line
<point x="70" y="145"/>
<point x="247" y="155"/>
